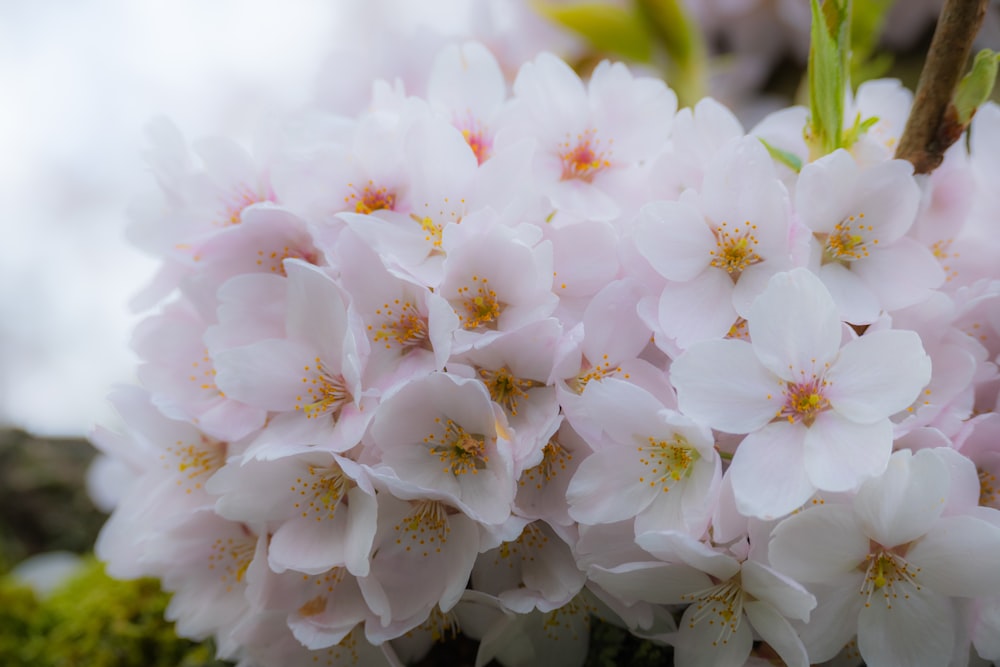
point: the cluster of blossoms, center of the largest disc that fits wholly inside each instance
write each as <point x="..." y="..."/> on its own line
<point x="501" y="360"/>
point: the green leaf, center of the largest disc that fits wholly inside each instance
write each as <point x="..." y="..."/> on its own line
<point x="828" y="75"/>
<point x="976" y="86"/>
<point x="681" y="37"/>
<point x="858" y="129"/>
<point x="608" y="28"/>
<point x="790" y="160"/>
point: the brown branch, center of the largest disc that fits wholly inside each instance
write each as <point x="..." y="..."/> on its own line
<point x="933" y="125"/>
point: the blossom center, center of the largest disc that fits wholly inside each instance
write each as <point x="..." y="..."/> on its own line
<point x="667" y="461"/>
<point x="735" y="248"/>
<point x="848" y="241"/>
<point x="274" y="261"/>
<point x="460" y="451"/>
<point x="506" y="389"/>
<point x="721" y="604"/>
<point x="583" y="159"/>
<point x="231" y="557"/>
<point x="527" y="543"/>
<point x="424" y="528"/>
<point x="240" y="198"/>
<point x="321" y="490"/>
<point x="989" y="492"/>
<point x="886" y="571"/>
<point x="554" y="459"/>
<point x="195" y="461"/>
<point x="325" y="393"/>
<point x="403" y="324"/>
<point x="804" y="401"/>
<point x="590" y="372"/>
<point x="478" y="139"/>
<point x="481" y="307"/>
<point x="370" y="198"/>
<point x="433" y="230"/>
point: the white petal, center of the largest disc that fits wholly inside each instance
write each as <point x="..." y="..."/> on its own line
<point x="878" y="375"/>
<point x="659" y="583"/>
<point x="819" y="545"/>
<point x="834" y="621"/>
<point x="673" y="546"/>
<point x="605" y="490"/>
<point x="778" y="633"/>
<point x="786" y="596"/>
<point x="721" y="383"/>
<point x="699" y="309"/>
<point x="674" y="239"/>
<point x="906" y="500"/>
<point x="918" y="631"/>
<point x="794" y="325"/>
<point x="768" y="472"/>
<point x="841" y="454"/>
<point x="959" y="557"/>
<point x="700" y="644"/>
<point x="902" y="274"/>
<point x="855" y="301"/>
<point x="824" y="190"/>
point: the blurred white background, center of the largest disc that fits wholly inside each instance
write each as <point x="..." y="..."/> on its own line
<point x="78" y="81"/>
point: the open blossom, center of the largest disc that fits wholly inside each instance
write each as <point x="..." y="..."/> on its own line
<point x="816" y="413"/>
<point x="859" y="218"/>
<point x="896" y="566"/>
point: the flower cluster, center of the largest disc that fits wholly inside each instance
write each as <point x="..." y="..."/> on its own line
<point x="500" y="360"/>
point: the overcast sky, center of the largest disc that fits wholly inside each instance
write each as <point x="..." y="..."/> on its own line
<point x="78" y="80"/>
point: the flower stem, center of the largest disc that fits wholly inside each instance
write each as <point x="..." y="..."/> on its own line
<point x="933" y="124"/>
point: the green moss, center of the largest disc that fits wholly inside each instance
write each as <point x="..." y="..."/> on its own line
<point x="93" y="621"/>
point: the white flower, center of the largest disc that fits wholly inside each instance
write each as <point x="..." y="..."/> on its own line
<point x="895" y="566"/>
<point x="816" y="413"/>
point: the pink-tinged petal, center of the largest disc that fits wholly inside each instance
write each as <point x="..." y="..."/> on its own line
<point x="467" y="77"/>
<point x="964" y="492"/>
<point x="906" y="500"/>
<point x="607" y="487"/>
<point x="317" y="310"/>
<point x="303" y="545"/>
<point x="740" y="186"/>
<point x="779" y="634"/>
<point x="900" y="275"/>
<point x="986" y="633"/>
<point x="699" y="309"/>
<point x="674" y="239"/>
<point x="267" y="374"/>
<point x="721" y="383"/>
<point x="768" y="472"/>
<point x="674" y="546"/>
<point x="841" y="454"/>
<point x="785" y="595"/>
<point x="361" y="524"/>
<point x="627" y="413"/>
<point x="834" y="622"/>
<point x="658" y="583"/>
<point x="916" y="630"/>
<point x="703" y="644"/>
<point x="612" y="324"/>
<point x="958" y="557"/>
<point x="825" y="189"/>
<point x="878" y="375"/>
<point x="794" y="325"/>
<point x="819" y="545"/>
<point x="888" y="196"/>
<point x="855" y="301"/>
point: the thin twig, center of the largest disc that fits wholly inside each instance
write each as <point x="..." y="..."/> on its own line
<point x="933" y="125"/>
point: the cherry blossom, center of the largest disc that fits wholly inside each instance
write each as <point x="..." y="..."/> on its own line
<point x="814" y="409"/>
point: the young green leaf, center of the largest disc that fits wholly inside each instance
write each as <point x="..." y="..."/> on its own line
<point x="608" y="28"/>
<point x="976" y="86"/>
